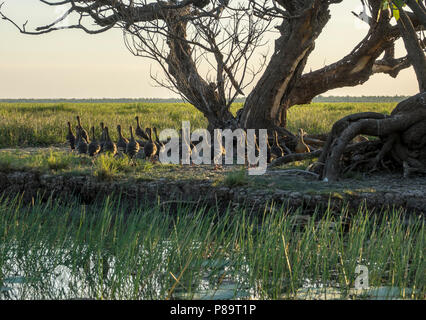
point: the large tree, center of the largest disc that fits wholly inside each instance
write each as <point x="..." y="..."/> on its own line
<point x="402" y="135"/>
<point x="183" y="36"/>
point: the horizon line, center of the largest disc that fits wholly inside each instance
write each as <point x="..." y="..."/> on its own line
<point x="176" y="98"/>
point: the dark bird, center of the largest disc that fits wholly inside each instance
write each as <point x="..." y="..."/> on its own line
<point x="71" y="137"/>
<point x="276" y="149"/>
<point x="139" y="132"/>
<point x="301" y="146"/>
<point x="102" y="138"/>
<point x="156" y="135"/>
<point x="122" y="141"/>
<point x="188" y="145"/>
<point x="251" y="150"/>
<point x="84" y="133"/>
<point x="81" y="142"/>
<point x="217" y="154"/>
<point x="109" y="146"/>
<point x="94" y="146"/>
<point x="268" y="148"/>
<point x="150" y="148"/>
<point x="132" y="147"/>
<point x="157" y="141"/>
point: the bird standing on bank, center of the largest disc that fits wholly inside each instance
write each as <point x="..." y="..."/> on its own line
<point x="83" y="132"/>
<point x="81" y="142"/>
<point x="219" y="152"/>
<point x="301" y="146"/>
<point x="71" y="137"/>
<point x="157" y="141"/>
<point x="150" y="149"/>
<point x="122" y="141"/>
<point x="102" y="138"/>
<point x="94" y="146"/>
<point x="276" y="149"/>
<point x="132" y="147"/>
<point x="139" y="132"/>
<point x="109" y="146"/>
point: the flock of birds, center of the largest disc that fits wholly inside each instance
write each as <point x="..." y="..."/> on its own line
<point x="150" y="146"/>
<point x="84" y="144"/>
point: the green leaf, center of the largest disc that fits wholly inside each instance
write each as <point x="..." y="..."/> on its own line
<point x="395" y="14"/>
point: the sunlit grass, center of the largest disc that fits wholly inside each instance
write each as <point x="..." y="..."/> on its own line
<point x="43" y="161"/>
<point x="120" y="250"/>
<point x="319" y="117"/>
<point x="236" y="178"/>
<point x="25" y="124"/>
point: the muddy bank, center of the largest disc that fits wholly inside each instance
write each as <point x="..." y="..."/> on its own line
<point x="88" y="190"/>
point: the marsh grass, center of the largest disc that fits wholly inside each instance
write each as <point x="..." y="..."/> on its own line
<point x="57" y="161"/>
<point x="43" y="161"/>
<point x="25" y="124"/>
<point x="106" y="167"/>
<point x="116" y="250"/>
<point x="236" y="178"/>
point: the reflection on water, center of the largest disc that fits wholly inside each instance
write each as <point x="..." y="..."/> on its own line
<point x="58" y="281"/>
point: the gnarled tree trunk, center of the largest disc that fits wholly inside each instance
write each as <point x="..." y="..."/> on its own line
<point x="402" y="135"/>
<point x="264" y="107"/>
<point x="283" y="85"/>
<point x="414" y="49"/>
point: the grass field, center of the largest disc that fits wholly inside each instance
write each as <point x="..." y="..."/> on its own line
<point x="45" y="124"/>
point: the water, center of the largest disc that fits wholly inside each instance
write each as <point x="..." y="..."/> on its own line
<point x="47" y="278"/>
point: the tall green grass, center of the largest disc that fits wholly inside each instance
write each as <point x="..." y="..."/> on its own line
<point x="25" y="124"/>
<point x="116" y="250"/>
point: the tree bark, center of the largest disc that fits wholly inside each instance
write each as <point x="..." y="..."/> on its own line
<point x="276" y="92"/>
<point x="264" y="107"/>
<point x="414" y="50"/>
<point x="403" y="135"/>
<point x="418" y="9"/>
<point x="187" y="79"/>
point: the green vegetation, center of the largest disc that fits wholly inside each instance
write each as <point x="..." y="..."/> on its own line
<point x="26" y="124"/>
<point x="320" y="117"/>
<point x="105" y="168"/>
<point x="236" y="178"/>
<point x="47" y="160"/>
<point x="376" y="99"/>
<point x="113" y="250"/>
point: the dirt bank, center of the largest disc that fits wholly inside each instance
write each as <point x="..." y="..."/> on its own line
<point x="390" y="191"/>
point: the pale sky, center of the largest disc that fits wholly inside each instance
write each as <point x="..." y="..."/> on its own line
<point x="72" y="64"/>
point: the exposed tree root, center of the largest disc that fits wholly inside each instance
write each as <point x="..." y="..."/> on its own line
<point x="295" y="157"/>
<point x="402" y="141"/>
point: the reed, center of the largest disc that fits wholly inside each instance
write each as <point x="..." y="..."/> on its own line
<point x="117" y="250"/>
